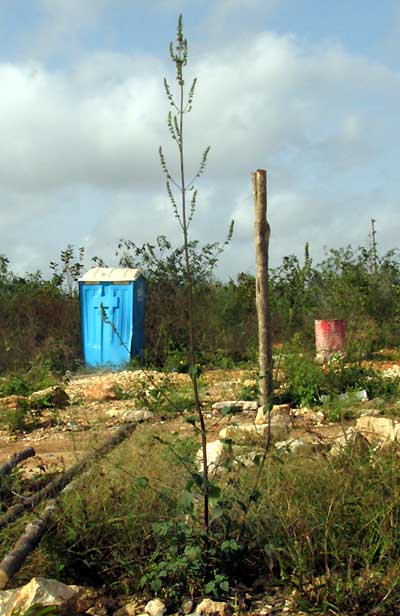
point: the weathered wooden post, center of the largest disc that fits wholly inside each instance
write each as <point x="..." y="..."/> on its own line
<point x="261" y="237"/>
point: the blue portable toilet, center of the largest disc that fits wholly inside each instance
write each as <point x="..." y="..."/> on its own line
<point x="112" y="315"/>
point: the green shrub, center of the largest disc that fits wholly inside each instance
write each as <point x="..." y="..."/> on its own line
<point x="14" y="420"/>
<point x="341" y="377"/>
<point x="306" y="381"/>
<point x="303" y="377"/>
<point x="177" y="360"/>
<point x="337" y="410"/>
<point x="23" y="383"/>
<point x="249" y="392"/>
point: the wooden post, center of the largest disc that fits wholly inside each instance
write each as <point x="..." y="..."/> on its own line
<point x="261" y="237"/>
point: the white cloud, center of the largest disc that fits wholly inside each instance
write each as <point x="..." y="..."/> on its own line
<point x="323" y="121"/>
<point x="58" y="134"/>
<point x="234" y="19"/>
<point x="63" y="22"/>
<point x="228" y="6"/>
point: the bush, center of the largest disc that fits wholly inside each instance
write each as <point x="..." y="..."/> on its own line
<point x="303" y="376"/>
<point x="14" y="419"/>
<point x="23" y="383"/>
<point x="341" y="377"/>
<point x="37" y="319"/>
<point x="306" y="381"/>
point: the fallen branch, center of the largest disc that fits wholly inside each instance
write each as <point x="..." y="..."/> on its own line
<point x="8" y="467"/>
<point x="28" y="541"/>
<point x="55" y="486"/>
<point x="34" y="531"/>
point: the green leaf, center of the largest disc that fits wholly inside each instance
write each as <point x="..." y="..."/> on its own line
<point x="191" y="420"/>
<point x="214" y="491"/>
<point x="186" y="501"/>
<point x="224" y="585"/>
<point x="197" y="478"/>
<point x="156" y="585"/>
<point x="217" y="513"/>
<point x="229" y="410"/>
<point x="230" y="545"/>
<point x="210" y="587"/>
<point x="141" y="482"/>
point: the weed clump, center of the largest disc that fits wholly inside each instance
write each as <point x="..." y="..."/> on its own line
<point x="306" y="382"/>
<point x="23" y="383"/>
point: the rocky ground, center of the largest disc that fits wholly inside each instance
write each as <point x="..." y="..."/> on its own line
<point x="74" y="600"/>
<point x="98" y="403"/>
<point x="95" y="407"/>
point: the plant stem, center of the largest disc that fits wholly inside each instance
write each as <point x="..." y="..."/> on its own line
<point x="189" y="279"/>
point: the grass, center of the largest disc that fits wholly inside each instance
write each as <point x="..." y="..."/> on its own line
<point x="19" y="383"/>
<point x="326" y="527"/>
<point x="137" y="482"/>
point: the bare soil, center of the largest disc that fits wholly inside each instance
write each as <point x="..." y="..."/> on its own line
<point x="61" y="437"/>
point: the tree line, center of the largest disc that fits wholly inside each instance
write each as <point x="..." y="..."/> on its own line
<point x="40" y="322"/>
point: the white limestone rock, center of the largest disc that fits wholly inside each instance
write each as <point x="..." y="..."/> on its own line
<point x="137" y="416"/>
<point x="243" y="405"/>
<point x="214" y="454"/>
<point x="208" y="607"/>
<point x="280" y="414"/>
<point x="378" y="430"/>
<point x="41" y="592"/>
<point x="155" y="607"/>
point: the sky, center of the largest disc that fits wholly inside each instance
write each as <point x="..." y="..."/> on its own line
<point x="307" y="89"/>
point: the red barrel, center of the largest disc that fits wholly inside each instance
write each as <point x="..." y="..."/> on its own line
<point x="330" y="337"/>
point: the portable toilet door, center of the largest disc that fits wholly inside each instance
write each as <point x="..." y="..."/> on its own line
<point x="112" y="315"/>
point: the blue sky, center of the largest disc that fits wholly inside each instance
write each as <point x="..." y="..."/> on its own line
<point x="362" y="25"/>
<point x="309" y="90"/>
<point x="124" y="25"/>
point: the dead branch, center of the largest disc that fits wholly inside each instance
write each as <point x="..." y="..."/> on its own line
<point x="34" y="531"/>
<point x="55" y="486"/>
<point x="28" y="541"/>
<point x="8" y="467"/>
